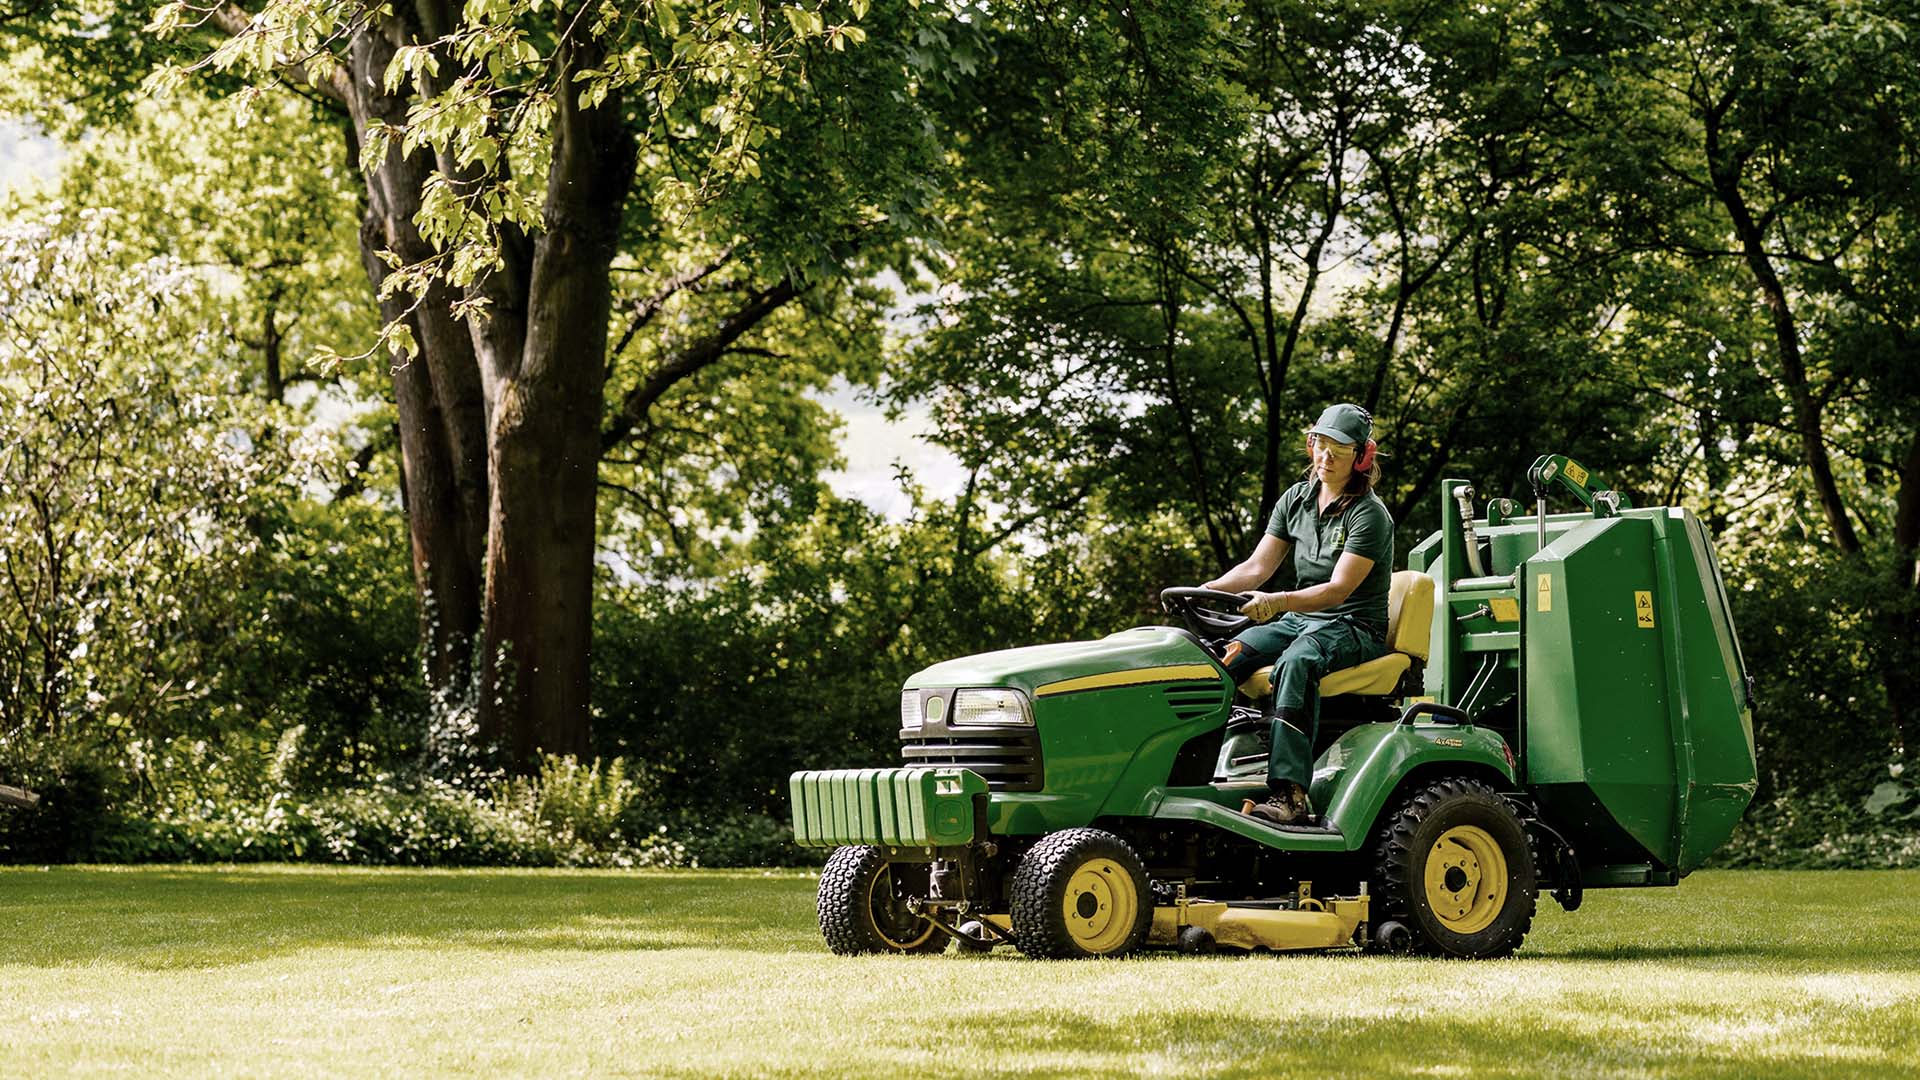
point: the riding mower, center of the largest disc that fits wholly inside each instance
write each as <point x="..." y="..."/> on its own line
<point x="1565" y="707"/>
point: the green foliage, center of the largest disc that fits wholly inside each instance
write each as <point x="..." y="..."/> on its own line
<point x="1830" y="828"/>
<point x="327" y="644"/>
<point x="73" y="820"/>
<point x="254" y="211"/>
<point x="582" y="803"/>
<point x="1145" y="246"/>
<point x="129" y="487"/>
<point x="730" y="837"/>
<point x="233" y="805"/>
<point x="171" y="573"/>
<point x="727" y="687"/>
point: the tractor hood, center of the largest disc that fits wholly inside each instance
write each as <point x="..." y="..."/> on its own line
<point x="1146" y="654"/>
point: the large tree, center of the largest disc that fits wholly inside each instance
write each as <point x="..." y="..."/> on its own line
<point x="1183" y="235"/>
<point x="554" y="194"/>
<point x="1774" y="146"/>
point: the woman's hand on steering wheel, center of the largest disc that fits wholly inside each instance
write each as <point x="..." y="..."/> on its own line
<point x="1261" y="606"/>
<point x="1211" y="614"/>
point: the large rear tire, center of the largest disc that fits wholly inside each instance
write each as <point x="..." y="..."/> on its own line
<point x="1458" y="871"/>
<point x="863" y="904"/>
<point x="1080" y="893"/>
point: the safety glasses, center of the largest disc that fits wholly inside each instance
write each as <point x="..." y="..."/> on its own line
<point x="1317" y="444"/>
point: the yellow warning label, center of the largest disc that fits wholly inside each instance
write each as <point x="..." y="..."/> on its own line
<point x="1505" y="609"/>
<point x="1543" y="593"/>
<point x="1576" y="474"/>
<point x="1643" y="608"/>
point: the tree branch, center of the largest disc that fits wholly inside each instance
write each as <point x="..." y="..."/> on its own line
<point x="1057" y="506"/>
<point x="237" y="23"/>
<point x="701" y="354"/>
<point x="649" y="306"/>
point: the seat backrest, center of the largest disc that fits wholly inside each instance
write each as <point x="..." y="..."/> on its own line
<point x="1410" y="613"/>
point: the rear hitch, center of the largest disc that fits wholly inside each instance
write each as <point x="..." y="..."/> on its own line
<point x="1567" y="889"/>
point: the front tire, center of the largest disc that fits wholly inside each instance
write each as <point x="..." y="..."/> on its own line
<point x="1080" y="893"/>
<point x="863" y="904"/>
<point x="1458" y="871"/>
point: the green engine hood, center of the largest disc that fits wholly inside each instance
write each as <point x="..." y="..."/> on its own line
<point x="1145" y="654"/>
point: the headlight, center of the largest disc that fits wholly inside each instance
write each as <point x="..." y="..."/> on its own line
<point x="917" y="711"/>
<point x="990" y="707"/>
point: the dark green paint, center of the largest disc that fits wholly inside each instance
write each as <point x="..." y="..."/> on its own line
<point x="1352" y="782"/>
<point x="1027" y="669"/>
<point x="916" y="807"/>
<point x="1636" y="739"/>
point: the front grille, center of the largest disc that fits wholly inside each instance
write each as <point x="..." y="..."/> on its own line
<point x="1009" y="758"/>
<point x="1191" y="700"/>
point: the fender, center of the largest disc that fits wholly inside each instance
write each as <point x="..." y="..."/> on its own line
<point x="1352" y="781"/>
<point x="1358" y="774"/>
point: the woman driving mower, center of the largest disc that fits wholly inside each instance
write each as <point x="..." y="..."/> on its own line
<point x="1341" y="537"/>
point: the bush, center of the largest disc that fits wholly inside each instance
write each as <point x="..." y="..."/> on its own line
<point x="1824" y="829"/>
<point x="584" y="804"/>
<point x="70" y="821"/>
<point x="742" y="838"/>
<point x="433" y="826"/>
<point x="238" y="810"/>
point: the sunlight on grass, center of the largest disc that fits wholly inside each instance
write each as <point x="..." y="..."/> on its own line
<point x="304" y="971"/>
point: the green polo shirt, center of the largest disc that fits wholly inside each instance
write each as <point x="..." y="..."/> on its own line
<point x="1362" y="526"/>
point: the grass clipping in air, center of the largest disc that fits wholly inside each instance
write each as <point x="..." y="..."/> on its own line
<point x="305" y="971"/>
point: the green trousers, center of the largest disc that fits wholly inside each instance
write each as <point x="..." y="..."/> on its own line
<point x="1302" y="650"/>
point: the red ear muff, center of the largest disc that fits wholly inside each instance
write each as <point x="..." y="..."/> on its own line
<point x="1365" y="460"/>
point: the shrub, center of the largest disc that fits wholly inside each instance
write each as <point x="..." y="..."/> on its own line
<point x="585" y="804"/>
<point x="1824" y="829"/>
<point x="742" y="838"/>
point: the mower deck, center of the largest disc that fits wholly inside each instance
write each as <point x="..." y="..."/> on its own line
<point x="1291" y="925"/>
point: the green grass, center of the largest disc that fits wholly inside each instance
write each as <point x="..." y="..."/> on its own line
<point x="302" y="971"/>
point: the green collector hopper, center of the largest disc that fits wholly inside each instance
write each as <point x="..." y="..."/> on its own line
<point x="1633" y="690"/>
<point x="1604" y="642"/>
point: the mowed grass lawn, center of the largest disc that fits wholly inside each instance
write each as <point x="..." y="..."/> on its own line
<point x="284" y="971"/>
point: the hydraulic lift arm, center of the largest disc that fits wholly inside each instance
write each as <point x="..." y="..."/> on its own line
<point x="1547" y="468"/>
<point x="1575" y="477"/>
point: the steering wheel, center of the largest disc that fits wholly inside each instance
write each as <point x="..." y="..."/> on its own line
<point x="1211" y="614"/>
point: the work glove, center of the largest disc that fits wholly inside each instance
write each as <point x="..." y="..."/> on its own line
<point x="1262" y="605"/>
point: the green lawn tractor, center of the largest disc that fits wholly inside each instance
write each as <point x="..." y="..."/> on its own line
<point x="1565" y="708"/>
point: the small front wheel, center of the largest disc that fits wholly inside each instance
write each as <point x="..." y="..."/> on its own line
<point x="863" y="904"/>
<point x="1194" y="941"/>
<point x="1080" y="893"/>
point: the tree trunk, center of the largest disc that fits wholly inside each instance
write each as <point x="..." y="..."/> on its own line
<point x="1270" y="438"/>
<point x="1900" y="667"/>
<point x="442" y="414"/>
<point x="1169" y="288"/>
<point x="270" y="341"/>
<point x="545" y="444"/>
<point x="499" y="416"/>
<point x="1724" y="171"/>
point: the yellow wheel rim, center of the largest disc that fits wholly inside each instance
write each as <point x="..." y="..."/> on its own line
<point x="1466" y="879"/>
<point x="880" y="909"/>
<point x="1101" y="906"/>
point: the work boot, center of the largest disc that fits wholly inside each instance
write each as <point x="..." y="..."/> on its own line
<point x="1287" y="807"/>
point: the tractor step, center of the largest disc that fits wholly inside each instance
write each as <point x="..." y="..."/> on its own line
<point x="1325" y="828"/>
<point x="1257" y="788"/>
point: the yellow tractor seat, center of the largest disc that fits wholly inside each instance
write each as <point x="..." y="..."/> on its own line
<point x="1409" y="635"/>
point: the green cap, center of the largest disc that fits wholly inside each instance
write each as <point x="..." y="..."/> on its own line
<point x="1343" y="423"/>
